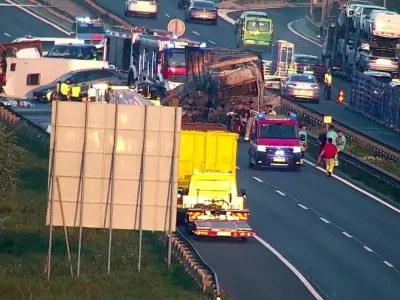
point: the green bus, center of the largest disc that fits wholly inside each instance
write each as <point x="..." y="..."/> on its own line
<point x="253" y="31"/>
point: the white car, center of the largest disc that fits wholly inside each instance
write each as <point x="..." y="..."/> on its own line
<point x="141" y="7"/>
<point x="380" y="76"/>
<point x="362" y="12"/>
<point x="353" y="4"/>
<point x="49" y="42"/>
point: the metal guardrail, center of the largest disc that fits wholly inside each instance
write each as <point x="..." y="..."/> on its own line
<point x="216" y="286"/>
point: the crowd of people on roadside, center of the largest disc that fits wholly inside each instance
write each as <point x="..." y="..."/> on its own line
<point x="331" y="142"/>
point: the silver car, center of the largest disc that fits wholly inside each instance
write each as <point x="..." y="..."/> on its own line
<point x="301" y="86"/>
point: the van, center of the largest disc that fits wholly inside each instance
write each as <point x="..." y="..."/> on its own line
<point x="49" y="42"/>
<point x="385" y="24"/>
<point x="254" y="31"/>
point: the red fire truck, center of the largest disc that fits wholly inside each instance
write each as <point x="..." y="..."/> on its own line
<point x="152" y="53"/>
<point x="274" y="141"/>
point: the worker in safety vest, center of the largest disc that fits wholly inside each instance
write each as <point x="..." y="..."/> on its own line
<point x="303" y="141"/>
<point x="65" y="90"/>
<point x="328" y="84"/>
<point x="340" y="144"/>
<point x="76" y="92"/>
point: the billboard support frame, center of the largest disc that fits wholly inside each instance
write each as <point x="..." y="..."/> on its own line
<point x="82" y="189"/>
<point x="141" y="184"/>
<point x="51" y="189"/>
<point x="112" y="183"/>
<point x="171" y="191"/>
<point x="64" y="226"/>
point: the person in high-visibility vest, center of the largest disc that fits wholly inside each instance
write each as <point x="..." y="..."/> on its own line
<point x="328" y="84"/>
<point x="65" y="90"/>
<point x="340" y="144"/>
<point x="76" y="92"/>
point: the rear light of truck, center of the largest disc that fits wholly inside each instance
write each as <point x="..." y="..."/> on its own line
<point x="153" y="3"/>
<point x="180" y="201"/>
<point x="395" y="60"/>
<point x="242" y="234"/>
<point x="3" y="79"/>
<point x="373" y="58"/>
<point x="212" y="233"/>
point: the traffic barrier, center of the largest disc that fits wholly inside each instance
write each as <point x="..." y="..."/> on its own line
<point x="340" y="98"/>
<point x="375" y="100"/>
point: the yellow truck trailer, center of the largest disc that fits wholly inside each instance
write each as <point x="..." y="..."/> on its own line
<point x="208" y="198"/>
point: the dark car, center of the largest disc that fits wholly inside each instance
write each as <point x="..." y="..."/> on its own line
<point x="309" y="64"/>
<point x="84" y="78"/>
<point x="202" y="11"/>
<point x="184" y="3"/>
<point x="73" y="51"/>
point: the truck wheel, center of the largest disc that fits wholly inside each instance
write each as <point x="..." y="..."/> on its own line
<point x="244" y="239"/>
<point x="251" y="165"/>
<point x="179" y="5"/>
<point x="189" y="228"/>
<point x="316" y="101"/>
<point x="126" y="14"/>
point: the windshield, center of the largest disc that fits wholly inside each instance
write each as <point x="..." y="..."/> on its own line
<point x="63" y="52"/>
<point x="367" y="11"/>
<point x="278" y="131"/>
<point x="176" y="59"/>
<point x="47" y="45"/>
<point x="63" y="78"/>
<point x="203" y="4"/>
<point x="88" y="28"/>
<point x="383" y="79"/>
<point x="258" y="25"/>
<point x="307" y="60"/>
<point x="384" y="53"/>
<point x="300" y="78"/>
<point x="213" y="185"/>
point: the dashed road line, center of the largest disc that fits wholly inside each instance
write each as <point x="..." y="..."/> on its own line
<point x="302" y="206"/>
<point x="324" y="220"/>
<point x="211" y="42"/>
<point x="195" y="32"/>
<point x="280" y="193"/>
<point x="7" y="34"/>
<point x="237" y="168"/>
<point x="388" y="264"/>
<point x="258" y="179"/>
<point x="368" y="249"/>
<point x="167" y="15"/>
<point x="347" y="234"/>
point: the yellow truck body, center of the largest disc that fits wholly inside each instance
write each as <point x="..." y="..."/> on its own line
<point x="206" y="148"/>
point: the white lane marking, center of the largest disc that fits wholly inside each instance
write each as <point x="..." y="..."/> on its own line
<point x="211" y="42"/>
<point x="368" y="249"/>
<point x="291" y="267"/>
<point x="324" y="220"/>
<point x="290" y="27"/>
<point x="302" y="206"/>
<point x="237" y="168"/>
<point x="167" y="15"/>
<point x="388" y="264"/>
<point x="356" y="188"/>
<point x="7" y="34"/>
<point x="280" y="193"/>
<point x="195" y="32"/>
<point x="225" y="17"/>
<point x="346" y="234"/>
<point x="59" y="28"/>
<point x="258" y="179"/>
<point x="330" y="222"/>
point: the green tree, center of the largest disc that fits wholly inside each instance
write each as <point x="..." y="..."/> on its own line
<point x="11" y="159"/>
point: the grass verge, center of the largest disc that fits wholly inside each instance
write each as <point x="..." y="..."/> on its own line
<point x="23" y="252"/>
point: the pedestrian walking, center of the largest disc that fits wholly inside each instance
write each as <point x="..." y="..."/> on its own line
<point x="328" y="153"/>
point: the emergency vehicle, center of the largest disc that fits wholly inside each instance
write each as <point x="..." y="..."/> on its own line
<point x="91" y="30"/>
<point x="274" y="141"/>
<point x="208" y="197"/>
<point x="154" y="54"/>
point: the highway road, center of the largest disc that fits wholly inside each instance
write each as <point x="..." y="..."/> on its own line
<point x="14" y="23"/>
<point x="344" y="242"/>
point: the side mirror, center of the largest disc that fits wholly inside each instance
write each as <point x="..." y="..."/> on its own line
<point x="242" y="192"/>
<point x="252" y="136"/>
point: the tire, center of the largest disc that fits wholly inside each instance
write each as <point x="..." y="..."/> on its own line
<point x="154" y="17"/>
<point x="244" y="239"/>
<point x="316" y="101"/>
<point x="215" y="23"/>
<point x="251" y="165"/>
<point x="179" y="5"/>
<point x="187" y="20"/>
<point x="127" y="14"/>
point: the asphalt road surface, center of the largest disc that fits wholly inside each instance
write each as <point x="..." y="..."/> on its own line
<point x="14" y="23"/>
<point x="344" y="242"/>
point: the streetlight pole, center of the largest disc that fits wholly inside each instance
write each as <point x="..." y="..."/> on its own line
<point x="312" y="10"/>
